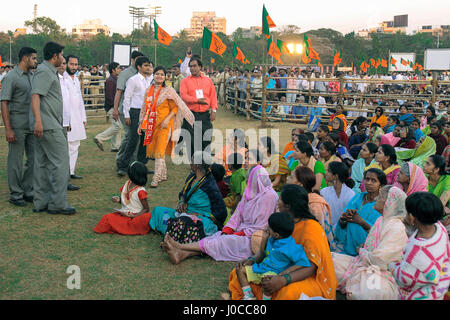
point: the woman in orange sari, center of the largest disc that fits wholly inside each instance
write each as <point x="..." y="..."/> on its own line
<point x="317" y="280"/>
<point x="339" y="114"/>
<point x="160" y="118"/>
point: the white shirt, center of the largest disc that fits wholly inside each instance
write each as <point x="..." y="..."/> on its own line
<point x="184" y="67"/>
<point x="65" y="96"/>
<point x="134" y="93"/>
<point x="337" y="205"/>
<point x="76" y="108"/>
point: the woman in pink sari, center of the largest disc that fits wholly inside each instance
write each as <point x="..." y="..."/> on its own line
<point x="411" y="179"/>
<point x="366" y="276"/>
<point x="233" y="243"/>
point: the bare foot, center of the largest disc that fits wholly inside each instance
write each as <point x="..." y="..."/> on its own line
<point x="164" y="246"/>
<point x="225" y="296"/>
<point x="174" y="255"/>
<point x="169" y="240"/>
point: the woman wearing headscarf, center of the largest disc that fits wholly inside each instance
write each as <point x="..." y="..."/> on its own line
<point x="424" y="148"/>
<point x="407" y="138"/>
<point x="340" y="113"/>
<point x="411" y="179"/>
<point x="233" y="243"/>
<point x="385" y="244"/>
<point x="338" y="127"/>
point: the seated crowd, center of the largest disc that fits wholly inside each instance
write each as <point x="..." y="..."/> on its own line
<point x="361" y="208"/>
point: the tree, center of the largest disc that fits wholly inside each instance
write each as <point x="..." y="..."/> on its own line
<point x="289" y="29"/>
<point x="46" y="26"/>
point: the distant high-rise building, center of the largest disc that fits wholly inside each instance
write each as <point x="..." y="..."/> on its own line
<point x="207" y="19"/>
<point x="90" y="28"/>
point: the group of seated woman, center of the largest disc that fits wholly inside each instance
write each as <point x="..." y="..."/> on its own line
<point x="358" y="218"/>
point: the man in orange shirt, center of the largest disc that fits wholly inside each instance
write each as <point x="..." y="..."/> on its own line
<point x="199" y="94"/>
<point x="290" y="145"/>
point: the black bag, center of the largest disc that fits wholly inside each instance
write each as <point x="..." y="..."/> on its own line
<point x="185" y="230"/>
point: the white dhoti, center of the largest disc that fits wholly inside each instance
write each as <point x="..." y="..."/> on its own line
<point x="73" y="154"/>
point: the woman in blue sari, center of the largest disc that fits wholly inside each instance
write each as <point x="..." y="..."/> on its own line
<point x="359" y="216"/>
<point x="366" y="158"/>
<point x="405" y="116"/>
<point x="200" y="199"/>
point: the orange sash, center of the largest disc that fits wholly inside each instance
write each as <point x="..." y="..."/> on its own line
<point x="149" y="122"/>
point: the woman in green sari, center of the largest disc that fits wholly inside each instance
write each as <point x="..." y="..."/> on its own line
<point x="439" y="184"/>
<point x="425" y="148"/>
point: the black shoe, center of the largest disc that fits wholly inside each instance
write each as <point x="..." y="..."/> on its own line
<point x="121" y="173"/>
<point x="114" y="150"/>
<point x="40" y="210"/>
<point x="74" y="176"/>
<point x="150" y="172"/>
<point x="67" y="211"/>
<point x="18" y="203"/>
<point x="28" y="199"/>
<point x="71" y="187"/>
<point x="152" y="158"/>
<point x="99" y="144"/>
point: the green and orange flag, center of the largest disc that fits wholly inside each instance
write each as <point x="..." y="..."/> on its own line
<point x="180" y="61"/>
<point x="404" y="62"/>
<point x="161" y="35"/>
<point x="364" y="65"/>
<point x="213" y="60"/>
<point x="378" y="63"/>
<point x="238" y="54"/>
<point x="393" y="62"/>
<point x="306" y="59"/>
<point x="212" y="42"/>
<point x="372" y="62"/>
<point x="274" y="50"/>
<point x="307" y="44"/>
<point x="267" y="23"/>
<point x="337" y="58"/>
<point x="384" y="63"/>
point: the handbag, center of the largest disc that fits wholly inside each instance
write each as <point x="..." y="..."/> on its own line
<point x="185" y="230"/>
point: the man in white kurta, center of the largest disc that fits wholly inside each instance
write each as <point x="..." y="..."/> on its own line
<point x="77" y="114"/>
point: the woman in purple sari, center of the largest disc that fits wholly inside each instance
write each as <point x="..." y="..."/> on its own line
<point x="233" y="243"/>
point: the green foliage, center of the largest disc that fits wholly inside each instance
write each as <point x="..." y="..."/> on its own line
<point x="97" y="49"/>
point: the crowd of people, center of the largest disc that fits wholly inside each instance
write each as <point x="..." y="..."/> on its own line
<point x="361" y="207"/>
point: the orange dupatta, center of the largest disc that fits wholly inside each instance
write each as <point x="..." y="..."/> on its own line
<point x="150" y="114"/>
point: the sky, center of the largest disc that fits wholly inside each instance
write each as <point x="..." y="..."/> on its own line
<point x="344" y="16"/>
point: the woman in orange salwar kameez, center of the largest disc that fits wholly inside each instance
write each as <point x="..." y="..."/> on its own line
<point x="319" y="280"/>
<point x="160" y="118"/>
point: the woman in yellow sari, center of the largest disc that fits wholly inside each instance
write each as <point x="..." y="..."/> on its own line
<point x="319" y="280"/>
<point x="160" y="118"/>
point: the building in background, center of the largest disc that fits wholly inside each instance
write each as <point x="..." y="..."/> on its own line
<point x="398" y="24"/>
<point x="207" y="19"/>
<point x="435" y="31"/>
<point x="90" y="28"/>
<point x="252" y="32"/>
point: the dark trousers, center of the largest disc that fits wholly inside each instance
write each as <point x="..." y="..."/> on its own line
<point x="133" y="140"/>
<point x="203" y="119"/>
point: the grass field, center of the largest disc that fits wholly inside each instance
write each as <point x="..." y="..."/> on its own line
<point x="36" y="248"/>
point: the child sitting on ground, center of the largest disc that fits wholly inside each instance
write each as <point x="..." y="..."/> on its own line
<point x="279" y="254"/>
<point x="237" y="180"/>
<point x="133" y="217"/>
<point x="424" y="272"/>
<point x="218" y="171"/>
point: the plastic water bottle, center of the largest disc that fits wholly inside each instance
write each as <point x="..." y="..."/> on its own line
<point x="165" y="217"/>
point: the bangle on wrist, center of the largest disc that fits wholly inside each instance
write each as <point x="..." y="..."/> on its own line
<point x="288" y="278"/>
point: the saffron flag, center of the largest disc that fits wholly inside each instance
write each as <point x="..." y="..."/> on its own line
<point x="337" y="58"/>
<point x="212" y="42"/>
<point x="307" y="42"/>
<point x="180" y="61"/>
<point x="378" y="63"/>
<point x="419" y="67"/>
<point x="306" y="59"/>
<point x="274" y="50"/>
<point x="384" y="63"/>
<point x="372" y="62"/>
<point x="1" y="63"/>
<point x="267" y="23"/>
<point x="161" y="35"/>
<point x="213" y="61"/>
<point x="238" y="54"/>
<point x="403" y="62"/>
<point x="364" y="65"/>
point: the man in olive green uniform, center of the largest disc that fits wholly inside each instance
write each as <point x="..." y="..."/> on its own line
<point x="51" y="170"/>
<point x="16" y="104"/>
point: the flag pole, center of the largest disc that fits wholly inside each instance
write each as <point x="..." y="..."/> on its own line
<point x="155" y="54"/>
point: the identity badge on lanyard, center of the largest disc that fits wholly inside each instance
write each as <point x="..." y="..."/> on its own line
<point x="199" y="94"/>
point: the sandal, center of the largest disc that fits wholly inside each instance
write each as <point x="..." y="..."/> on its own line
<point x="154" y="184"/>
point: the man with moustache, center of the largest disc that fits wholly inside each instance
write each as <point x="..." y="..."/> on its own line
<point x="51" y="166"/>
<point x="15" y="107"/>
